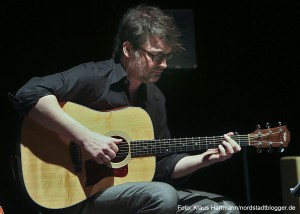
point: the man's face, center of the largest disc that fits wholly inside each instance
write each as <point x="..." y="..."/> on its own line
<point x="147" y="63"/>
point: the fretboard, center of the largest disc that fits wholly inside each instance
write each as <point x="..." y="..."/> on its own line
<point x="164" y="146"/>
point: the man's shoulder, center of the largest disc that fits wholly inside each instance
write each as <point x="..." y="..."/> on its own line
<point x="99" y="65"/>
<point x="103" y="68"/>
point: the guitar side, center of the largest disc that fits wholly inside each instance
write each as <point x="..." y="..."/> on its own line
<point x="48" y="172"/>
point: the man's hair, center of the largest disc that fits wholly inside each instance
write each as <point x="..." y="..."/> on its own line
<point x="143" y="22"/>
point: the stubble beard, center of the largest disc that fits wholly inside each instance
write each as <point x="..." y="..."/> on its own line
<point x="145" y="75"/>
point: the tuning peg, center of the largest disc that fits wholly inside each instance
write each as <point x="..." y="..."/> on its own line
<point x="268" y="125"/>
<point x="280" y="149"/>
<point x="270" y="149"/>
<point x="280" y="129"/>
<point x="259" y="150"/>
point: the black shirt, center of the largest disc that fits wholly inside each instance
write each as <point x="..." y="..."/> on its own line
<point x="101" y="86"/>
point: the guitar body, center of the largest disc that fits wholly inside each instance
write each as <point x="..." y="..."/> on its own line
<point x="53" y="179"/>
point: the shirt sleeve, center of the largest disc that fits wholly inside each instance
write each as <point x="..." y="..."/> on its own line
<point x="37" y="87"/>
<point x="70" y="85"/>
<point x="165" y="166"/>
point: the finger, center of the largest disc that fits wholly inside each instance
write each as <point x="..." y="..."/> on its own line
<point x="236" y="147"/>
<point x="228" y="138"/>
<point x="117" y="141"/>
<point x="230" y="133"/>
<point x="223" y="155"/>
<point x="229" y="149"/>
<point x="222" y="150"/>
<point x="212" y="151"/>
<point x="111" y="154"/>
<point x="104" y="158"/>
<point x="114" y="147"/>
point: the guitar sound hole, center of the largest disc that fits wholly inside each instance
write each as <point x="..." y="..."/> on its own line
<point x="123" y="150"/>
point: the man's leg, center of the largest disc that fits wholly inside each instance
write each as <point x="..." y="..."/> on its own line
<point x="192" y="201"/>
<point x="137" y="197"/>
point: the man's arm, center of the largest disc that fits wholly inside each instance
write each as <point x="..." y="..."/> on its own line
<point x="49" y="114"/>
<point x="190" y="164"/>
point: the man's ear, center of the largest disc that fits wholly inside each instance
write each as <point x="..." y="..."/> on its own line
<point x="127" y="47"/>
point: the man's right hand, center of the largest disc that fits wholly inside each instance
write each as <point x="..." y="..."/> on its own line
<point x="101" y="148"/>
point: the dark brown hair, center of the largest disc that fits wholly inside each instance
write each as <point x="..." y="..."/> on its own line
<point x="142" y="22"/>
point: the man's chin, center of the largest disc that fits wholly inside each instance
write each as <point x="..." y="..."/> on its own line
<point x="154" y="79"/>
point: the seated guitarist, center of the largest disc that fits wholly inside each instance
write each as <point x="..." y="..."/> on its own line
<point x="146" y="39"/>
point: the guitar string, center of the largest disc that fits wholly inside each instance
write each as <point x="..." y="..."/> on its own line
<point x="141" y="149"/>
<point x="186" y="144"/>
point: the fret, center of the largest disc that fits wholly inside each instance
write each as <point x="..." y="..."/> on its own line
<point x="209" y="143"/>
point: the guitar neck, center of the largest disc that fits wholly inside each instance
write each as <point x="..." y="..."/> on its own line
<point x="164" y="146"/>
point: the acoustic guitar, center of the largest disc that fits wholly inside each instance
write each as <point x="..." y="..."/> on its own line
<point x="57" y="173"/>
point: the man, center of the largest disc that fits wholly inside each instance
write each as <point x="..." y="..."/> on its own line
<point x="146" y="39"/>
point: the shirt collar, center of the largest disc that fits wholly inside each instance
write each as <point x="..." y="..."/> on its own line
<point x="118" y="72"/>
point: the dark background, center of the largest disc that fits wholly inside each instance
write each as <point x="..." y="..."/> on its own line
<point x="247" y="73"/>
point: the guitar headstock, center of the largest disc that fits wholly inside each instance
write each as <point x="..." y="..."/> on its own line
<point x="271" y="137"/>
